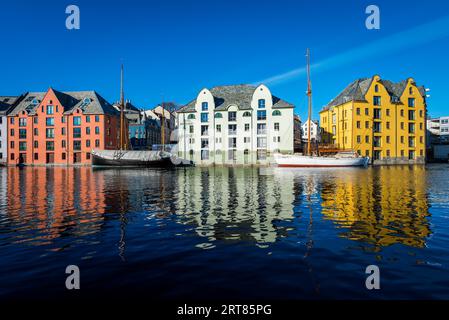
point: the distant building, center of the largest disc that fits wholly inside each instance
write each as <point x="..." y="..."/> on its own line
<point x="7" y="103"/>
<point x="237" y="124"/>
<point x="315" y="134"/>
<point x="60" y="127"/>
<point x="166" y="113"/>
<point x="438" y="130"/>
<point x="380" y="119"/>
<point x="297" y="134"/>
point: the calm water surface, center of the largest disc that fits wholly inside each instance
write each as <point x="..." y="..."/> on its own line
<point x="214" y="233"/>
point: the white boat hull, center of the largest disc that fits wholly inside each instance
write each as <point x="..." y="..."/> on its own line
<point x="298" y="161"/>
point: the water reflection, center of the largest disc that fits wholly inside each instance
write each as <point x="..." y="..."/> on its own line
<point x="377" y="206"/>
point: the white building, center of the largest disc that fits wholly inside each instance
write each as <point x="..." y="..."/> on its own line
<point x="6" y="104"/>
<point x="314" y="131"/>
<point x="239" y="124"/>
<point x="438" y="130"/>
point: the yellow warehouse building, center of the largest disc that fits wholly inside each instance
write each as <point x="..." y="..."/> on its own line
<point x="380" y="119"/>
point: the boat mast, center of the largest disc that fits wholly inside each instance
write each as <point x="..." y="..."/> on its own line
<point x="309" y="96"/>
<point x="163" y="125"/>
<point x="122" y="112"/>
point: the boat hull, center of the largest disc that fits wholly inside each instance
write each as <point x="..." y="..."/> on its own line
<point x="119" y="158"/>
<point x="292" y="161"/>
<point x="100" y="161"/>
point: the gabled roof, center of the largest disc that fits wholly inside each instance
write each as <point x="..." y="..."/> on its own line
<point x="7" y="102"/>
<point x="88" y="101"/>
<point x="357" y="90"/>
<point x="239" y="95"/>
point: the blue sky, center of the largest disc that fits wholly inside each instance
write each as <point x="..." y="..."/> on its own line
<point x="172" y="49"/>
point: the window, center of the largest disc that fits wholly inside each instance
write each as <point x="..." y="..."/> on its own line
<point x="87" y="130"/>
<point x="358" y="111"/>
<point x="50" y="109"/>
<point x="276" y="113"/>
<point x="261" y="103"/>
<point x="246" y="140"/>
<point x="376" y="88"/>
<point x="22" y="122"/>
<point x="204" y="143"/>
<point x="232" y="129"/>
<point x="366" y="124"/>
<point x="411" y="128"/>
<point x="247" y="114"/>
<point x="377" y="114"/>
<point x="76" y="121"/>
<point x="191" y="129"/>
<point x="204" y="117"/>
<point x="50" y="133"/>
<point x="22" y="133"/>
<point x="63" y="144"/>
<point x="11" y="144"/>
<point x="232" y="116"/>
<point x="97" y="143"/>
<point x="11" y="120"/>
<point x="50" y="122"/>
<point x="204" y="154"/>
<point x="261" y="115"/>
<point x="261" y="154"/>
<point x="218" y="127"/>
<point x="77" y="132"/>
<point x="87" y="119"/>
<point x="63" y="156"/>
<point x="204" y="106"/>
<point x="359" y="139"/>
<point x="97" y="118"/>
<point x="377" y="100"/>
<point x="22" y="146"/>
<point x="63" y="119"/>
<point x="77" y="145"/>
<point x="358" y="125"/>
<point x="11" y="132"/>
<point x="50" y="146"/>
<point x="218" y="115"/>
<point x="232" y="142"/>
<point x="366" y="112"/>
<point x="402" y="112"/>
<point x="388" y="112"/>
<point x="411" y="102"/>
<point x="366" y="139"/>
<point x="334" y="118"/>
<point x="261" y="128"/>
<point x="261" y="142"/>
<point x="97" y="130"/>
<point x="204" y="130"/>
<point x="36" y="120"/>
<point x="276" y="126"/>
<point x="246" y="126"/>
<point x="402" y="125"/>
<point x="388" y="125"/>
<point x="36" y="144"/>
<point x="388" y="139"/>
<point x="411" y="115"/>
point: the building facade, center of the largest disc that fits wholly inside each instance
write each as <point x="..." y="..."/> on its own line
<point x="60" y="128"/>
<point x="165" y="111"/>
<point x="6" y="104"/>
<point x="238" y="124"/>
<point x="315" y="131"/>
<point x="438" y="130"/>
<point x="380" y="119"/>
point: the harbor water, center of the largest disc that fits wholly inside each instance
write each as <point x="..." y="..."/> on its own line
<point x="225" y="233"/>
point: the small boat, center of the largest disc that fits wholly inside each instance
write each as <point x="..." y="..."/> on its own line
<point x="339" y="160"/>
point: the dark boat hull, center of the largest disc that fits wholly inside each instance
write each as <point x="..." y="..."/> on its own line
<point x="160" y="163"/>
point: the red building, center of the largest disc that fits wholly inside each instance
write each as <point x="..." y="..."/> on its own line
<point x="61" y="128"/>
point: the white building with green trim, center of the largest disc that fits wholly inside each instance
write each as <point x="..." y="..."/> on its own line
<point x="238" y="124"/>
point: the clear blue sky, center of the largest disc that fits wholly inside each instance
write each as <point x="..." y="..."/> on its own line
<point x="173" y="49"/>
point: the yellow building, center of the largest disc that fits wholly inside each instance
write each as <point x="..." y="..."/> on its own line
<point x="379" y="119"/>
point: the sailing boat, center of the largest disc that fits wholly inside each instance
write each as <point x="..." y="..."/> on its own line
<point x="342" y="159"/>
<point x="141" y="158"/>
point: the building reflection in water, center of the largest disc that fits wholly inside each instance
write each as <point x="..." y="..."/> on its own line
<point x="43" y="204"/>
<point x="380" y="206"/>
<point x="235" y="204"/>
<point x="376" y="206"/>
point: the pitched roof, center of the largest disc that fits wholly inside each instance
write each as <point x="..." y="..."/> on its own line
<point x="89" y="101"/>
<point x="357" y="90"/>
<point x="239" y="95"/>
<point x="6" y="103"/>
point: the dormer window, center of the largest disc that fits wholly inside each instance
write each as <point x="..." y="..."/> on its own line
<point x="204" y="106"/>
<point x="261" y="103"/>
<point x="410" y="90"/>
<point x="376" y="88"/>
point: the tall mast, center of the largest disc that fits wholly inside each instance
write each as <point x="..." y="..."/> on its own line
<point x="309" y="95"/>
<point x="163" y="125"/>
<point x="122" y="111"/>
